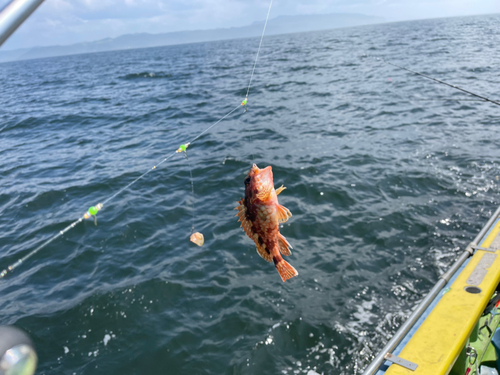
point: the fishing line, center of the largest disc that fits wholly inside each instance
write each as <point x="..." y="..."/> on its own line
<point x="445" y="99"/>
<point x="260" y="44"/>
<point x="439" y="81"/>
<point x="255" y="62"/>
<point x="355" y="98"/>
<point x="92" y="211"/>
<point x="192" y="191"/>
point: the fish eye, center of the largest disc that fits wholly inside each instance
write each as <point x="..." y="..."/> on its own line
<point x="247" y="180"/>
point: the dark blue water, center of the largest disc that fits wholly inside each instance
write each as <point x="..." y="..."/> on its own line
<point x="389" y="176"/>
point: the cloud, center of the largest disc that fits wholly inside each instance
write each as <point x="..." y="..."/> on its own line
<point x="67" y="22"/>
<point x="72" y="21"/>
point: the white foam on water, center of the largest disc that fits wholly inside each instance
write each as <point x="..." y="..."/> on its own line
<point x="106" y="339"/>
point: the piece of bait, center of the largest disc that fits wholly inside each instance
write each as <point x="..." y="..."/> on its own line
<point x="197" y="238"/>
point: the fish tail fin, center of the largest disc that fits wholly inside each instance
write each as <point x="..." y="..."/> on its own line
<point x="284" y="268"/>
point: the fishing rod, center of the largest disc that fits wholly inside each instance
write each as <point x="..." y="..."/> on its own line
<point x="93" y="210"/>
<point x="439" y="81"/>
<point x="17" y="352"/>
<point x="14" y="14"/>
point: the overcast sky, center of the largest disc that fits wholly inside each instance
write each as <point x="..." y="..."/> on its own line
<point x="72" y="21"/>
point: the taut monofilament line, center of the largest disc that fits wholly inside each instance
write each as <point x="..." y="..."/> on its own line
<point x="439" y="81"/>
<point x="92" y="211"/>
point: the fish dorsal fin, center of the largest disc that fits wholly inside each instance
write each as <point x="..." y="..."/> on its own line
<point x="245" y="223"/>
<point x="280" y="189"/>
<point x="284" y="245"/>
<point x="265" y="193"/>
<point x="283" y="213"/>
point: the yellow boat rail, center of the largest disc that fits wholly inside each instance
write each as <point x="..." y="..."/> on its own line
<point x="444" y="334"/>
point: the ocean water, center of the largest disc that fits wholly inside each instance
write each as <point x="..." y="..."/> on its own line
<point x="388" y="177"/>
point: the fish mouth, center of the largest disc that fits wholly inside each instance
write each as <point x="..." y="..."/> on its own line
<point x="266" y="173"/>
<point x="256" y="170"/>
<point x="263" y="176"/>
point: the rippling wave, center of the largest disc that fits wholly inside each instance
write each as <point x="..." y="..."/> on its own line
<point x="388" y="176"/>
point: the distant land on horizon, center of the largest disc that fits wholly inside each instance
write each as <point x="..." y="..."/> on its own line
<point x="278" y="25"/>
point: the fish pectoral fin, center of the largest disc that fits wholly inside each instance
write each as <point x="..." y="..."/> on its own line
<point x="265" y="194"/>
<point x="284" y="245"/>
<point x="280" y="189"/>
<point x="261" y="250"/>
<point x="283" y="214"/>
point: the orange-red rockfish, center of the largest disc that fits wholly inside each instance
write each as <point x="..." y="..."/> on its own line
<point x="260" y="215"/>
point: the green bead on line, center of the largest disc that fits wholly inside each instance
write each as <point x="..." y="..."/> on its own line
<point x="183" y="147"/>
<point x="92" y="212"/>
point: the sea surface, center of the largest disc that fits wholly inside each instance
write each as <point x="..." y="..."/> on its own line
<point x="389" y="176"/>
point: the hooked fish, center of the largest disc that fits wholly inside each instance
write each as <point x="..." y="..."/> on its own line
<point x="260" y="215"/>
